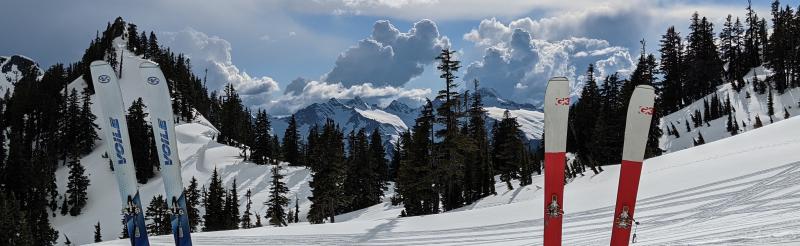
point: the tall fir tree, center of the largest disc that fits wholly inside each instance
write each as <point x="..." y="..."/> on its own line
<point x="450" y="158"/>
<point x="143" y="150"/>
<point x="87" y="129"/>
<point x="482" y="178"/>
<point x="673" y="68"/>
<point x="231" y="208"/>
<point x="277" y="202"/>
<point x="246" y="220"/>
<point x="214" y="201"/>
<point x="193" y="197"/>
<point x="291" y="143"/>
<point x="98" y="236"/>
<point x="76" y="187"/>
<point x="262" y="140"/>
<point x="328" y="173"/>
<point x="157" y="214"/>
<point x="582" y="120"/>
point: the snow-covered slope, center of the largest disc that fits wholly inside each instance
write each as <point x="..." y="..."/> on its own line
<point x="741" y="190"/>
<point x="11" y="70"/>
<point x="199" y="155"/>
<point x="746" y="104"/>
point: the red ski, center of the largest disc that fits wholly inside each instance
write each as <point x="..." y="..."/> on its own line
<point x="556" y="115"/>
<point x="637" y="127"/>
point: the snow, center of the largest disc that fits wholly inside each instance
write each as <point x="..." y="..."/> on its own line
<point x="741" y="190"/>
<point x="383" y="117"/>
<point x="199" y="155"/>
<point x="531" y="122"/>
<point x="746" y="110"/>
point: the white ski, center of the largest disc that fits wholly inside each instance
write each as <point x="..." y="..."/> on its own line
<point x="118" y="148"/>
<point x="637" y="127"/>
<point x="162" y="120"/>
<point x="556" y="116"/>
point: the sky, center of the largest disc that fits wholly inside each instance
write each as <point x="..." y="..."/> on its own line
<point x="282" y="55"/>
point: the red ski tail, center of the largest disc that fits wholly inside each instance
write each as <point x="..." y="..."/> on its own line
<point x="553" y="190"/>
<point x="626" y="201"/>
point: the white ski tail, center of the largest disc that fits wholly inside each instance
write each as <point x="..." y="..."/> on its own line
<point x="162" y="120"/>
<point x="118" y="148"/>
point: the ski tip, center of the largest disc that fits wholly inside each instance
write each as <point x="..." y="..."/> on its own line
<point x="98" y="63"/>
<point x="559" y="79"/>
<point x="148" y="64"/>
<point x="645" y="87"/>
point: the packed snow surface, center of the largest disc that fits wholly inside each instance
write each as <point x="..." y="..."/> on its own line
<point x="742" y="190"/>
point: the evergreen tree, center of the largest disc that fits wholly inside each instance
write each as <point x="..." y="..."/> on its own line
<point x="14" y="224"/>
<point x="258" y="220"/>
<point x="143" y="45"/>
<point x="246" y="223"/>
<point x="277" y="202"/>
<point x="378" y="180"/>
<point x="730" y="125"/>
<point x="76" y="187"/>
<point x="702" y="57"/>
<point x="276" y="148"/>
<point x="98" y="237"/>
<point x="758" y="123"/>
<point x="780" y="46"/>
<point x="158" y="215"/>
<point x="133" y="39"/>
<point x="87" y="129"/>
<point x="291" y="142"/>
<point x="231" y="208"/>
<point x="481" y="180"/>
<point x="366" y="170"/>
<point x="193" y="197"/>
<point x="752" y="43"/>
<point x="145" y="157"/>
<point x="770" y="105"/>
<point x="152" y="45"/>
<point x="328" y="172"/>
<point x="583" y="119"/>
<point x="506" y="149"/>
<point x="450" y="157"/>
<point x="700" y="140"/>
<point x="417" y="174"/>
<point x="262" y="143"/>
<point x="296" y="209"/>
<point x="214" y="203"/>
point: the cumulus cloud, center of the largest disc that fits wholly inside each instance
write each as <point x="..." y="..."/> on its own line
<point x="214" y="53"/>
<point x="389" y="57"/>
<point x="518" y="65"/>
<point x="318" y="91"/>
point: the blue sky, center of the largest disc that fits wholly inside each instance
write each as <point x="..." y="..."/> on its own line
<point x="263" y="46"/>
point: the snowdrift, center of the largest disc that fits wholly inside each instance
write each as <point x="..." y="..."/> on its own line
<point x="742" y="190"/>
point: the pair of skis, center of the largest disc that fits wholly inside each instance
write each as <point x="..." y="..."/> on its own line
<point x="118" y="145"/>
<point x="637" y="126"/>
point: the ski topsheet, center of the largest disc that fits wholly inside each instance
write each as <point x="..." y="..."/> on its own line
<point x="118" y="147"/>
<point x="637" y="127"/>
<point x="556" y="114"/>
<point x="161" y="118"/>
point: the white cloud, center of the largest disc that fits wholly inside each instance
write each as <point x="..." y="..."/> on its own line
<point x="388" y="56"/>
<point x="214" y="53"/>
<point x="318" y="91"/>
<point x="518" y="66"/>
